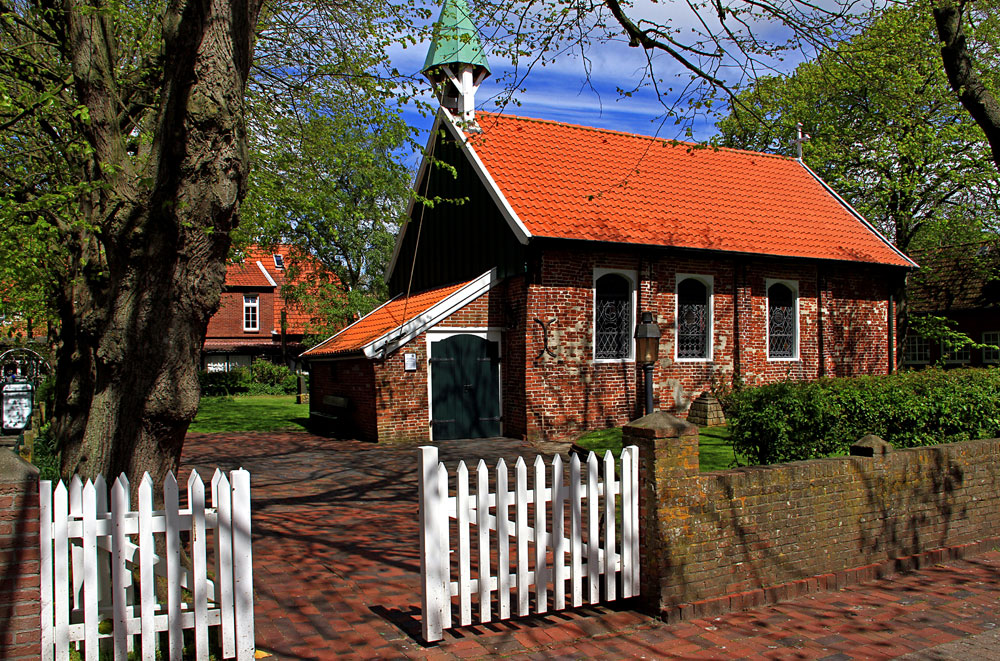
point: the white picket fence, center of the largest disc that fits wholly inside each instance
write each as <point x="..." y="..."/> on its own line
<point x="591" y="548"/>
<point x="89" y="553"/>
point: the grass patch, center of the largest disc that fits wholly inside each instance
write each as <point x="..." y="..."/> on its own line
<point x="714" y="450"/>
<point x="250" y="413"/>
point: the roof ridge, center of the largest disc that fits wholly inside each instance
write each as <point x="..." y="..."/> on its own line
<point x="596" y="129"/>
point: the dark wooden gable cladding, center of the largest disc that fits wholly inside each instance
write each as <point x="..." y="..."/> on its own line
<point x="461" y="236"/>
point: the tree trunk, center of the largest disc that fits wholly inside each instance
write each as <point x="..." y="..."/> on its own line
<point x="977" y="100"/>
<point x="133" y="326"/>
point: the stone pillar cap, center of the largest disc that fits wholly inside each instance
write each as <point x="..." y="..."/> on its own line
<point x="870" y="446"/>
<point x="13" y="469"/>
<point x="660" y="425"/>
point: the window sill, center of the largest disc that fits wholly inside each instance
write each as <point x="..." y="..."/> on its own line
<point x="693" y="360"/>
<point x="598" y="361"/>
<point x="796" y="359"/>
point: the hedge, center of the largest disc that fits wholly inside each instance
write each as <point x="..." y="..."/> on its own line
<point x="263" y="378"/>
<point x="789" y="421"/>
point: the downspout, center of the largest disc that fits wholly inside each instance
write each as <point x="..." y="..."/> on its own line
<point x="820" y="286"/>
<point x="892" y="334"/>
<point x="736" y="322"/>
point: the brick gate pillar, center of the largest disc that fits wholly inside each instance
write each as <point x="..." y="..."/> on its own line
<point x="668" y="493"/>
<point x="19" y="579"/>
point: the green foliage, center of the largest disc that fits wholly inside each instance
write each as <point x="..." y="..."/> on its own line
<point x="45" y="454"/>
<point x="886" y="131"/>
<point x="714" y="449"/>
<point x="234" y="382"/>
<point x="263" y="378"/>
<point x="789" y="421"/>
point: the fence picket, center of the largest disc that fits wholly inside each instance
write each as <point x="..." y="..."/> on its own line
<point x="242" y="565"/>
<point x="90" y="572"/>
<point x="45" y="565"/>
<point x="521" y="532"/>
<point x="106" y="555"/>
<point x="120" y="507"/>
<point x="222" y="501"/>
<point x="483" y="527"/>
<point x="593" y="532"/>
<point x="60" y="534"/>
<point x="464" y="553"/>
<point x="628" y="532"/>
<point x="503" y="541"/>
<point x="558" y="534"/>
<point x="610" y="556"/>
<point x="634" y="490"/>
<point x="541" y="539"/>
<point x="147" y="559"/>
<point x="175" y="639"/>
<point x="196" y="502"/>
<point x="76" y="511"/>
<point x="576" y="532"/>
<point x="602" y="492"/>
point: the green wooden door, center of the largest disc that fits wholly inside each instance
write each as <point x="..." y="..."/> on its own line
<point x="465" y="388"/>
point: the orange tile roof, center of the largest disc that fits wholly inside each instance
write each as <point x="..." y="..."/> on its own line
<point x="574" y="182"/>
<point x="381" y="320"/>
<point x="245" y="274"/>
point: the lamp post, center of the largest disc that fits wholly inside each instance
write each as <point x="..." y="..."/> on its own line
<point x="647" y="349"/>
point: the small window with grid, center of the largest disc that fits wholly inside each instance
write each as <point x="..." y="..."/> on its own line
<point x="955" y="353"/>
<point x="991" y="356"/>
<point x="251" y="318"/>
<point x="916" y="350"/>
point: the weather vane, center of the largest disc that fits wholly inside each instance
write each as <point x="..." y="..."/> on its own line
<point x="799" y="141"/>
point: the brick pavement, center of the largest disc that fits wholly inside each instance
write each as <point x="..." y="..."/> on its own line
<point x="336" y="575"/>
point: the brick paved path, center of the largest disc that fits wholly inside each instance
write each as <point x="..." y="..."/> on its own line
<point x="336" y="575"/>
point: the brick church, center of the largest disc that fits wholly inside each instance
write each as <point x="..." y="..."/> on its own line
<point x="513" y="313"/>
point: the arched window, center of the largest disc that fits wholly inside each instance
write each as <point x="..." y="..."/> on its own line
<point x="612" y="317"/>
<point x="782" y="325"/>
<point x="694" y="319"/>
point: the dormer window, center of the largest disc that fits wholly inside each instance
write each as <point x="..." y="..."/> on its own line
<point x="279" y="261"/>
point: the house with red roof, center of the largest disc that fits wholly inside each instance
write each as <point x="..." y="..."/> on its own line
<point x="514" y="312"/>
<point x="254" y="319"/>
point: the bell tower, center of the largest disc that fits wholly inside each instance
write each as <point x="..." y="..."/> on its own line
<point x="455" y="62"/>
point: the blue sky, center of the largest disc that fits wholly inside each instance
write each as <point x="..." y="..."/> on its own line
<point x="562" y="91"/>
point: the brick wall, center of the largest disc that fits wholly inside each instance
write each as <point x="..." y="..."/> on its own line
<point x="228" y="320"/>
<point x="19" y="578"/>
<point x="353" y="379"/>
<point x="727" y="540"/>
<point x="567" y="392"/>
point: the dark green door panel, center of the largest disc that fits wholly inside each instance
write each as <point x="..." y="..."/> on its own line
<point x="465" y="388"/>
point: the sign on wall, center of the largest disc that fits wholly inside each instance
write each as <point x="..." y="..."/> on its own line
<point x="17" y="406"/>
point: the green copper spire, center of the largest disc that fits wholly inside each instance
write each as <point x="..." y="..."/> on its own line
<point x="455" y="41"/>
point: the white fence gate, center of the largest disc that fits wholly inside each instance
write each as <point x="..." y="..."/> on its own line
<point x="593" y="546"/>
<point x="89" y="554"/>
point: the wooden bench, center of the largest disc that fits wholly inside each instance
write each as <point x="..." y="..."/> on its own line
<point x="339" y="405"/>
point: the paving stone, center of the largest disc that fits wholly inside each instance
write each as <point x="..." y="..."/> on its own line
<point x="336" y="575"/>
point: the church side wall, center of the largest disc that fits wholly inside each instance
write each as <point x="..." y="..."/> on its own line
<point x="568" y="392"/>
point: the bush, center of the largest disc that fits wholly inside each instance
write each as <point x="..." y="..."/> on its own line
<point x="44" y="454"/>
<point x="215" y="384"/>
<point x="263" y="378"/>
<point x="789" y="421"/>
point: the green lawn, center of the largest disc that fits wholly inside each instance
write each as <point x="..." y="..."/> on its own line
<point x="250" y="413"/>
<point x="715" y="452"/>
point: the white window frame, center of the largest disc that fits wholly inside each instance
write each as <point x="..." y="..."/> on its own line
<point x="709" y="282"/>
<point x="990" y="356"/>
<point x="794" y="286"/>
<point x="922" y="349"/>
<point x="251" y="302"/>
<point x="964" y="358"/>
<point x="633" y="279"/>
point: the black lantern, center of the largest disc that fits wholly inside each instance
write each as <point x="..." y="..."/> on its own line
<point x="647" y="349"/>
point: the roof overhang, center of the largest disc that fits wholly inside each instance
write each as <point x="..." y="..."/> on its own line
<point x="395" y="338"/>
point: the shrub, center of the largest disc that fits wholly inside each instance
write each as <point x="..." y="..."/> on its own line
<point x="789" y="421"/>
<point x="45" y="455"/>
<point x="234" y="382"/>
<point x="271" y="379"/>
